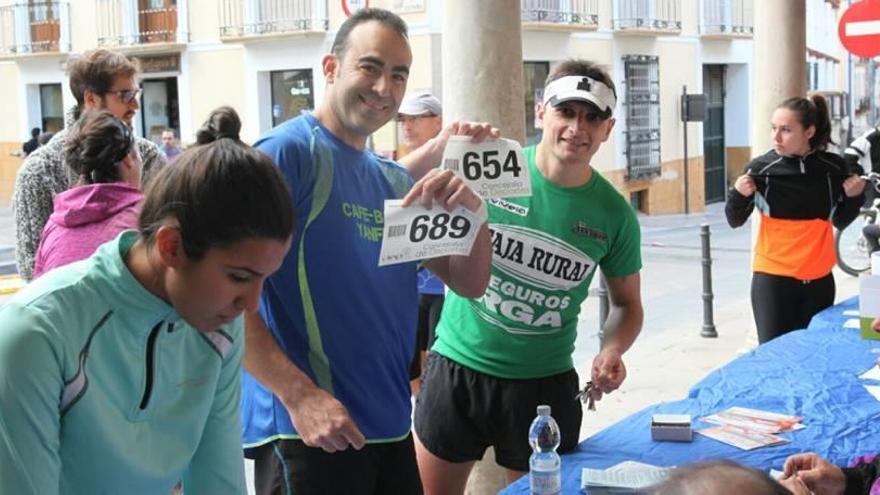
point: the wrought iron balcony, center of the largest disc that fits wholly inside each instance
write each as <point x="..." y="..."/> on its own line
<point x="647" y="15"/>
<point x="561" y="12"/>
<point x="732" y="18"/>
<point x="255" y="18"/>
<point x="35" y="27"/>
<point x="124" y="23"/>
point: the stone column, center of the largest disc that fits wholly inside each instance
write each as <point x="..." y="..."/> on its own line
<point x="482" y="64"/>
<point x="779" y="69"/>
<point x="483" y="81"/>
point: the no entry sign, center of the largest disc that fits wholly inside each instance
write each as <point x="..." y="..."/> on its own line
<point x="859" y="28"/>
<point x="352" y="6"/>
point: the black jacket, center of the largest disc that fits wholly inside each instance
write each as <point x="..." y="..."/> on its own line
<point x="796" y="188"/>
<point x="864" y="151"/>
<point x="860" y="478"/>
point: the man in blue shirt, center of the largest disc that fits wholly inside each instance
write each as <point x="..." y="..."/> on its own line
<point x="326" y="400"/>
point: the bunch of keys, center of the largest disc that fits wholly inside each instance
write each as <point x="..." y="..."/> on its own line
<point x="585" y="397"/>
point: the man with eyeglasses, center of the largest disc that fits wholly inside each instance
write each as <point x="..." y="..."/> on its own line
<point x="420" y="119"/>
<point x="99" y="80"/>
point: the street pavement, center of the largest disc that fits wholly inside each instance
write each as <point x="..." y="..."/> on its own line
<point x="670" y="355"/>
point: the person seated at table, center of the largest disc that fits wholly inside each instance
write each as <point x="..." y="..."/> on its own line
<point x="721" y="477"/>
<point x="824" y="478"/>
<point x="101" y="150"/>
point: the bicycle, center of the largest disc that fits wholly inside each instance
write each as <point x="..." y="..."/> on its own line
<point x="852" y="248"/>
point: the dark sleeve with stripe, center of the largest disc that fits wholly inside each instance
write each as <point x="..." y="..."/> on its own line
<point x="738" y="207"/>
<point x="847" y="210"/>
<point x="860" y="478"/>
<point x="852" y="159"/>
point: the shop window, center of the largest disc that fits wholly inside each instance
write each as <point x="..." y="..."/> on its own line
<point x="51" y="107"/>
<point x="292" y="93"/>
<point x="535" y="73"/>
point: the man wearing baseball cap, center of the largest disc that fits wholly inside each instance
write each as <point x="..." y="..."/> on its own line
<point x="497" y="357"/>
<point x="421" y="119"/>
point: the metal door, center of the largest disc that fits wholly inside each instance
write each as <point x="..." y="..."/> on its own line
<point x="713" y="133"/>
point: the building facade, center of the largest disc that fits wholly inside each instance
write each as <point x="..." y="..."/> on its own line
<point x="263" y="57"/>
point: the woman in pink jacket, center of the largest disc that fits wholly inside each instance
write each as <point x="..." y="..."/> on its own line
<point x="106" y="199"/>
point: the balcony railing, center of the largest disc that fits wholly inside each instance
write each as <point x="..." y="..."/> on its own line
<point x="35" y="27"/>
<point x="129" y="22"/>
<point x="246" y="18"/>
<point x="727" y="17"/>
<point x="652" y="15"/>
<point x="562" y="12"/>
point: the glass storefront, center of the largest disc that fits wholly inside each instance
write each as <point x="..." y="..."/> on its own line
<point x="292" y="92"/>
<point x="159" y="108"/>
<point x="51" y="108"/>
<point x="534" y="73"/>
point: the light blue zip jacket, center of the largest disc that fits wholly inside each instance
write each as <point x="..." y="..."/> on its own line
<point x="105" y="389"/>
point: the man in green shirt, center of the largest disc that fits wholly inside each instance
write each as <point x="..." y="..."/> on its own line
<point x="499" y="356"/>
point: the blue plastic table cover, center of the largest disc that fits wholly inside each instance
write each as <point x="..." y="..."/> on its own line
<point x="811" y="373"/>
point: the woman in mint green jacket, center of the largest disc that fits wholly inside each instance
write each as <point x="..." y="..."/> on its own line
<point x="120" y="373"/>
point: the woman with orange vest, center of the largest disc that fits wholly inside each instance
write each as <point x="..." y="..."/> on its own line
<point x="800" y="190"/>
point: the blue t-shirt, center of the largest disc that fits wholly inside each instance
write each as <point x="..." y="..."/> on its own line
<point x="429" y="283"/>
<point x="346" y="322"/>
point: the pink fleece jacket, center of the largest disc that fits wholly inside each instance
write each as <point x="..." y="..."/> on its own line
<point x="84" y="218"/>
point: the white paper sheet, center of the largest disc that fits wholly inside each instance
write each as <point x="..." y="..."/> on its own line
<point x="873" y="390"/>
<point x="871" y="374"/>
<point x="633" y="478"/>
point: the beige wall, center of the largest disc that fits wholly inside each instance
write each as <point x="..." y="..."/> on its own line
<point x="665" y="195"/>
<point x="737" y="159"/>
<point x="204" y="20"/>
<point x="411" y="18"/>
<point x="421" y="73"/>
<point x="9" y="164"/>
<point x="10" y="109"/>
<point x="335" y="14"/>
<point x="216" y="78"/>
<point x="83" y="25"/>
<point x="10" y="135"/>
<point x="690" y="17"/>
<point x="678" y="66"/>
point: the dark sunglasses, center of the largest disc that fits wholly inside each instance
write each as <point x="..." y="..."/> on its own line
<point x="126" y="95"/>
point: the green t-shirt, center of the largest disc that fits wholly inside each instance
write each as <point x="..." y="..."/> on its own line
<point x="544" y="252"/>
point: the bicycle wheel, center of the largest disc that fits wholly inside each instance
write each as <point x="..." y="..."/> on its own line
<point x="853" y="256"/>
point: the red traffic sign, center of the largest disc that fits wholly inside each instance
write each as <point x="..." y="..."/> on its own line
<point x="859" y="28"/>
<point x="351" y="6"/>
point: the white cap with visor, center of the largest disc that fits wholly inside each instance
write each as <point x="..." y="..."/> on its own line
<point x="580" y="88"/>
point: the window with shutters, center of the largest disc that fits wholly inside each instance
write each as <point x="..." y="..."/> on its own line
<point x="642" y="117"/>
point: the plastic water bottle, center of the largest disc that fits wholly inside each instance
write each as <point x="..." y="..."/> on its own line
<point x="545" y="477"/>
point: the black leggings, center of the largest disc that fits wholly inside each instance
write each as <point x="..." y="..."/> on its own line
<point x="782" y="304"/>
